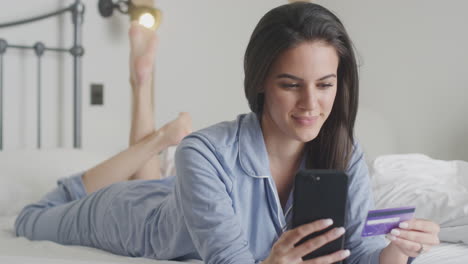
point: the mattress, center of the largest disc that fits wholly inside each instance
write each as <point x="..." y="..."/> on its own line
<point x="16" y="250"/>
<point x="21" y="185"/>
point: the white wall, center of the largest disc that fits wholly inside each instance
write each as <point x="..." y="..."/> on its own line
<point x="414" y="70"/>
<point x="199" y="69"/>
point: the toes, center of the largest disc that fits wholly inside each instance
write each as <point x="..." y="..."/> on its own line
<point x="186" y="118"/>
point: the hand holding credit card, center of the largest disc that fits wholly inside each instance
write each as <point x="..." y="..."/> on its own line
<point x="382" y="221"/>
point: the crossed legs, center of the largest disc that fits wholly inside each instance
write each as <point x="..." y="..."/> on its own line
<point x="140" y="160"/>
<point x="67" y="214"/>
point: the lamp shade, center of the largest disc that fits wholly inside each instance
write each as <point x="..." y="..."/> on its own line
<point x="147" y="16"/>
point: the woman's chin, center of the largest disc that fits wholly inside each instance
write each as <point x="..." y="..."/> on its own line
<point x="306" y="137"/>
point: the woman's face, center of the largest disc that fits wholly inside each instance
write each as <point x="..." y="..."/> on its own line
<point x="300" y="90"/>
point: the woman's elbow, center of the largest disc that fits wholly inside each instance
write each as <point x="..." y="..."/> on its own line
<point x="25" y="220"/>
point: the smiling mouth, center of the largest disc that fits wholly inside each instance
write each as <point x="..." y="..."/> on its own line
<point x="306" y="120"/>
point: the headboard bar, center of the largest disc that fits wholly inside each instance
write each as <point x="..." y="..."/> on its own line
<point x="77" y="51"/>
<point x="37" y="18"/>
<point x="1" y="99"/>
<point x="77" y="9"/>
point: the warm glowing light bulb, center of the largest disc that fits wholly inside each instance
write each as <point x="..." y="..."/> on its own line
<point x="146" y="20"/>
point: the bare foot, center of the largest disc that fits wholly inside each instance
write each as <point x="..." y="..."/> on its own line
<point x="174" y="131"/>
<point x="143" y="44"/>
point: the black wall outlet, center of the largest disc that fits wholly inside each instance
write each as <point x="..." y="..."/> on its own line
<point x="97" y="94"/>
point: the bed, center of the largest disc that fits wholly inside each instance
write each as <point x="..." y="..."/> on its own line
<point x="26" y="175"/>
<point x="15" y="250"/>
<point x="438" y="189"/>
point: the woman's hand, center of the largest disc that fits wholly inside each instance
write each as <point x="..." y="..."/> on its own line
<point x="284" y="251"/>
<point x="414" y="237"/>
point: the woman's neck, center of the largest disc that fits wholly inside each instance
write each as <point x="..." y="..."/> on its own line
<point x="278" y="145"/>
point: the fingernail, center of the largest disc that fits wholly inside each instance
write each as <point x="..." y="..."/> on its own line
<point x="328" y="222"/>
<point x="395" y="232"/>
<point x="403" y="225"/>
<point x="345" y="253"/>
<point x="392" y="238"/>
<point x="339" y="231"/>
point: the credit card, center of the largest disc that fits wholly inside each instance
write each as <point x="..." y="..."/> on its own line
<point x="382" y="221"/>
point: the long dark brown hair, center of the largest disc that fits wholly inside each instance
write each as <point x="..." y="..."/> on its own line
<point x="285" y="27"/>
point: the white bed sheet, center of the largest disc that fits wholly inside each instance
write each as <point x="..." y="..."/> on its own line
<point x="16" y="250"/>
<point x="25" y="176"/>
<point x="445" y="253"/>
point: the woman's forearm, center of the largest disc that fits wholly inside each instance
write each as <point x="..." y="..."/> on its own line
<point x="391" y="255"/>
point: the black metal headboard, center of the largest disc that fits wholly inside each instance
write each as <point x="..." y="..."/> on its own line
<point x="77" y="10"/>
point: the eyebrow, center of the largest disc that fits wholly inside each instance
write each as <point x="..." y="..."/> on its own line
<point x="286" y="75"/>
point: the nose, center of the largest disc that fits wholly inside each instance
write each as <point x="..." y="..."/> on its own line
<point x="308" y="98"/>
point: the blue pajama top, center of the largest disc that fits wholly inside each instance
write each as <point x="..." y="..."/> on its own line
<point x="222" y="207"/>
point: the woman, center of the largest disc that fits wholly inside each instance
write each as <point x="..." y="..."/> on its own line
<point x="230" y="201"/>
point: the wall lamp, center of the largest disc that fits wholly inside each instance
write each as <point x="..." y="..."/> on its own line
<point x="147" y="16"/>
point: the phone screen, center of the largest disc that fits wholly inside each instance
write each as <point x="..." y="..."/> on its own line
<point x="320" y="194"/>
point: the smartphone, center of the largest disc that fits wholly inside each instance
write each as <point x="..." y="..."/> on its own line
<point x="320" y="194"/>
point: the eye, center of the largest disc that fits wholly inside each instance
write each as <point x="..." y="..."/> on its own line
<point x="325" y="85"/>
<point x="289" y="85"/>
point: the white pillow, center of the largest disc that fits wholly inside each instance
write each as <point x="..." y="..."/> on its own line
<point x="438" y="189"/>
<point x="27" y="175"/>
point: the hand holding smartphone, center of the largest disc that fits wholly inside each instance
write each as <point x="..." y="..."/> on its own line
<point x="286" y="250"/>
<point x="321" y="194"/>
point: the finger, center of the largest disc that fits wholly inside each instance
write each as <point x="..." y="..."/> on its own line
<point x="409" y="248"/>
<point x="416" y="236"/>
<point x="317" y="242"/>
<point x="328" y="259"/>
<point x="290" y="238"/>
<point x="420" y="225"/>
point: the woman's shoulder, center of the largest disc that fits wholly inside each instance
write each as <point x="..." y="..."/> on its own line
<point x="357" y="156"/>
<point x="220" y="135"/>
<point x="356" y="152"/>
<point x="215" y="147"/>
<point x="231" y="145"/>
